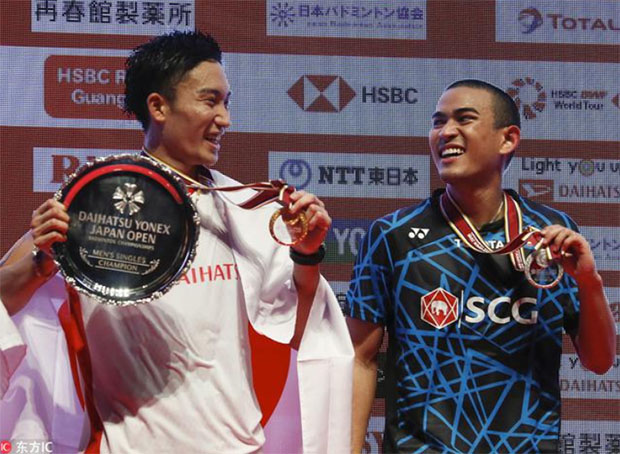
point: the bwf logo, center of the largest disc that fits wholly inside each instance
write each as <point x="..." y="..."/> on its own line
<point x="529" y="96"/>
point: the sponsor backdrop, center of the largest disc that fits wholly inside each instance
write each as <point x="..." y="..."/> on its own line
<point x="335" y="96"/>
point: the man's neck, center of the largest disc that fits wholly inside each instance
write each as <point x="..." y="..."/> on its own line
<point x="480" y="204"/>
<point x="160" y="154"/>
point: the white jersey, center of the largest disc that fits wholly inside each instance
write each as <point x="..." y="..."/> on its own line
<point x="175" y="374"/>
<point x="174" y="348"/>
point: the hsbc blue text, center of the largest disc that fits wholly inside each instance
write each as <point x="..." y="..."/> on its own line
<point x="392" y="95"/>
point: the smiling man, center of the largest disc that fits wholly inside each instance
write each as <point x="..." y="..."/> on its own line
<point x="474" y="343"/>
<point x="175" y="375"/>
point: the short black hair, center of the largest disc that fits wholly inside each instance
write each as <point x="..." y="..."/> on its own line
<point x="505" y="110"/>
<point x="158" y="65"/>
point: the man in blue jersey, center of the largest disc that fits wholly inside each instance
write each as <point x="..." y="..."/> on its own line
<point x="474" y="342"/>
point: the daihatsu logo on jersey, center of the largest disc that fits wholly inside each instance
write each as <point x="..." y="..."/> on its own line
<point x="320" y="93"/>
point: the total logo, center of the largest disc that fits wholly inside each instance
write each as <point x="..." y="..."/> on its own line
<point x="320" y="93"/>
<point x="440" y="308"/>
<point x="530" y="19"/>
<point x="529" y="95"/>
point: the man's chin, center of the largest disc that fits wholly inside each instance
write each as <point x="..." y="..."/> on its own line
<point x="209" y="159"/>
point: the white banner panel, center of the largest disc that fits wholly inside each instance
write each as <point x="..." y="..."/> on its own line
<point x="52" y="166"/>
<point x="325" y="94"/>
<point x="112" y="17"/>
<point x="605" y="245"/>
<point x="64" y="88"/>
<point x="402" y="19"/>
<point x="579" y="383"/>
<point x="553" y="21"/>
<point x="600" y="437"/>
<point x="397" y="96"/>
<point x="353" y="175"/>
<point x="565" y="180"/>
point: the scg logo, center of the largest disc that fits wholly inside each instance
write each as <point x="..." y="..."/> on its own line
<point x="476" y="305"/>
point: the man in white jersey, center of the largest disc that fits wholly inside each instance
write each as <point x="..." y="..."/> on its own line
<point x="175" y="375"/>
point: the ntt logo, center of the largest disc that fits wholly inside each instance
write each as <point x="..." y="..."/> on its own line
<point x="320" y="93"/>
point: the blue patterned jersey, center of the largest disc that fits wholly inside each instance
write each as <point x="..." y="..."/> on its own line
<point x="474" y="350"/>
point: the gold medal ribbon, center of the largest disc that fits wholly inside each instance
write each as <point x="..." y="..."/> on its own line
<point x="266" y="192"/>
<point x="516" y="238"/>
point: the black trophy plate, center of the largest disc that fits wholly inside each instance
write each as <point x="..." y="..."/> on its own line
<point x="132" y="233"/>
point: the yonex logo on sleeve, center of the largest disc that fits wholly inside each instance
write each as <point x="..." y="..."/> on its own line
<point x="418" y="233"/>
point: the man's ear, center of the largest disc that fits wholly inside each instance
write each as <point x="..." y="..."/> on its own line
<point x="511" y="139"/>
<point x="157" y="107"/>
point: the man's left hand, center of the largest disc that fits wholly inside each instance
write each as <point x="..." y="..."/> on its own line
<point x="572" y="251"/>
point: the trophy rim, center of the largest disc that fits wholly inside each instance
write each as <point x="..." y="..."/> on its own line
<point x="192" y="242"/>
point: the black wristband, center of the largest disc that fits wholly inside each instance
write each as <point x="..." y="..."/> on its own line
<point x="308" y="259"/>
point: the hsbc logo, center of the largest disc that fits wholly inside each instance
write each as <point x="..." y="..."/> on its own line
<point x="391" y="95"/>
<point x="440" y="308"/>
<point x="320" y="93"/>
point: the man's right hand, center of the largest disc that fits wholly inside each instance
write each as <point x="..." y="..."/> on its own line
<point x="21" y="271"/>
<point x="49" y="224"/>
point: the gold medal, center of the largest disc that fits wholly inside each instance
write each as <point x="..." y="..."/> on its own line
<point x="541" y="270"/>
<point x="291" y="221"/>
